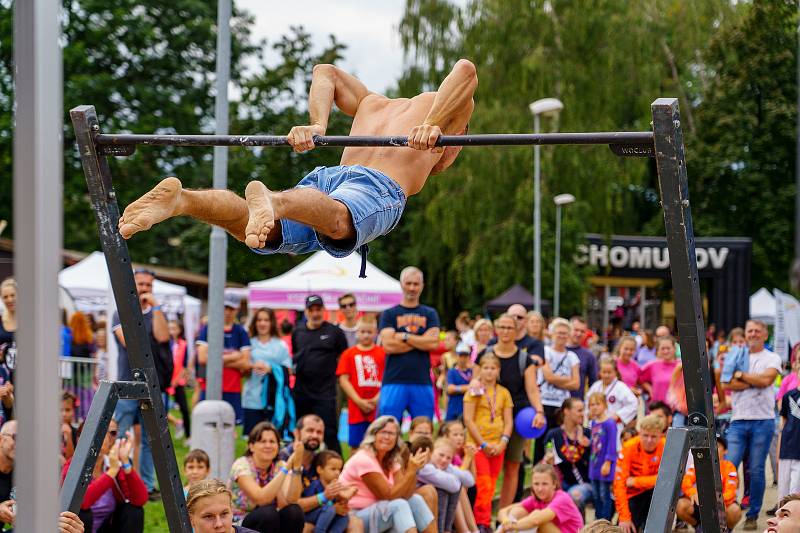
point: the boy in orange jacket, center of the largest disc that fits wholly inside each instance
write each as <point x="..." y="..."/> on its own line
<point x="636" y="472"/>
<point x="688" y="509"/>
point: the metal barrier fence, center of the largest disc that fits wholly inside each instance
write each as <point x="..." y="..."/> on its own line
<point x="79" y="375"/>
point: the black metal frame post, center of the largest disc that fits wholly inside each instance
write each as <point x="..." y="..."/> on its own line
<point x="665" y="143"/>
<point x="674" y="187"/>
<point x="154" y="417"/>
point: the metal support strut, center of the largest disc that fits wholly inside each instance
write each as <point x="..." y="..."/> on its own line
<point x="665" y="143"/>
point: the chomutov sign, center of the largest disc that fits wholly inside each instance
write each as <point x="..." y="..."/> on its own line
<point x="645" y="257"/>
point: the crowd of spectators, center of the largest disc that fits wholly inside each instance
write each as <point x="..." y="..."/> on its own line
<point x="602" y="412"/>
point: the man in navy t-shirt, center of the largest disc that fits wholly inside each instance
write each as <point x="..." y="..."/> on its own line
<point x="408" y="333"/>
<point x="235" y="356"/>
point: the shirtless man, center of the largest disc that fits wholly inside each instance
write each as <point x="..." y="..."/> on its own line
<point x="337" y="209"/>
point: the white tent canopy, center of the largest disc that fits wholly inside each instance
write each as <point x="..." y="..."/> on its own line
<point x="329" y="277"/>
<point x="89" y="284"/>
<point x="762" y="306"/>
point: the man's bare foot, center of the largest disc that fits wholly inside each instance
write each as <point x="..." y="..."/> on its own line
<point x="261" y="214"/>
<point x="159" y="204"/>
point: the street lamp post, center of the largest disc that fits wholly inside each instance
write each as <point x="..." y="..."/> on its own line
<point x="545" y="106"/>
<point x="561" y="199"/>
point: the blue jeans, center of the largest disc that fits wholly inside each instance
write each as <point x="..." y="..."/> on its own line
<point x="603" y="504"/>
<point x="396" y="515"/>
<point x="127" y="414"/>
<point x="753" y="436"/>
<point x="375" y="201"/>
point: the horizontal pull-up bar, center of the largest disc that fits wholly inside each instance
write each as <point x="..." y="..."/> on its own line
<point x="625" y="143"/>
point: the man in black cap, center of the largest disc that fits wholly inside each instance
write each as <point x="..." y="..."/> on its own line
<point x="317" y="346"/>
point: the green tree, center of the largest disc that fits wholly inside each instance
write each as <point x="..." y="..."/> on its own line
<point x="742" y="163"/>
<point x="607" y="64"/>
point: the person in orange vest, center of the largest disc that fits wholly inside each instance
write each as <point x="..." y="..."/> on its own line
<point x="636" y="471"/>
<point x="688" y="508"/>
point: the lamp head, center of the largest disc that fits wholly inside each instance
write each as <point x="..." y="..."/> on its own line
<point x="563" y="199"/>
<point x="546" y="106"/>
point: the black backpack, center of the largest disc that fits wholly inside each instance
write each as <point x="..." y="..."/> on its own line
<point x="162" y="358"/>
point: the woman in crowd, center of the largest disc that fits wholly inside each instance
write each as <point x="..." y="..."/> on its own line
<point x="115" y="498"/>
<point x="657" y="375"/>
<point x="483" y="334"/>
<point x="647" y="350"/>
<point x="623" y="404"/>
<point x="518" y="374"/>
<point x="180" y="375"/>
<point x="535" y="325"/>
<point x="386" y="497"/>
<point x="559" y="375"/>
<point x="570" y="443"/>
<point x="8" y="323"/>
<point x="264" y="492"/>
<point x="549" y="509"/>
<point x="210" y="508"/>
<point x="82" y="345"/>
<point x="101" y="354"/>
<point x="629" y="370"/>
<point x="265" y="394"/>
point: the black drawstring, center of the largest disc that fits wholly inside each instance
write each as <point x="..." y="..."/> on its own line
<point x="364" y="251"/>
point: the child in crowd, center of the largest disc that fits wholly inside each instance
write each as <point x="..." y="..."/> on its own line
<point x="622" y="403"/>
<point x="360" y="372"/>
<point x="464" y="458"/>
<point x="627" y="434"/>
<point x="331" y="516"/>
<point x="662" y="411"/>
<point x="688" y="508"/>
<point x="421" y="426"/>
<point x="196" y="467"/>
<point x="549" y="508"/>
<point x="488" y="415"/>
<point x="603" y="455"/>
<point x="789" y="443"/>
<point x="636" y="471"/>
<point x="458" y="379"/>
<point x="448" y="481"/>
<point x="69" y="433"/>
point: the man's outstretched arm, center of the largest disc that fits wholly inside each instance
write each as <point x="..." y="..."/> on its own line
<point x="451" y="109"/>
<point x="329" y="84"/>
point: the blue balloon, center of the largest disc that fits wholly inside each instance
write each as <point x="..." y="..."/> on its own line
<point x="523" y="423"/>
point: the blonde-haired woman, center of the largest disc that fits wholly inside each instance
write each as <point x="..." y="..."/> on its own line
<point x="8" y="324"/>
<point x="210" y="508"/>
<point x="484" y="331"/>
<point x="535" y="325"/>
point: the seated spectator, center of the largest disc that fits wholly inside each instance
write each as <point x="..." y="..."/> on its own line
<point x="787" y="517"/>
<point x="68" y="522"/>
<point x="601" y="526"/>
<point x="421" y="426"/>
<point x="210" y="509"/>
<point x="688" y="507"/>
<point x="386" y="496"/>
<point x="265" y="491"/>
<point x="572" y="447"/>
<point x="547" y="510"/>
<point x="447" y="479"/>
<point x="636" y="471"/>
<point x="464" y="458"/>
<point x="196" y="467"/>
<point x="115" y="498"/>
<point x="331" y="515"/>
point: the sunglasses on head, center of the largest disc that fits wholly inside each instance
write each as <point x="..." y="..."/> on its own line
<point x="144" y="271"/>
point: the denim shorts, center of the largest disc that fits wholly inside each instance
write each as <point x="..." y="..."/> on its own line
<point x="375" y="201"/>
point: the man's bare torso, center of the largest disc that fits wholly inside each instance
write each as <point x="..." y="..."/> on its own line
<point x="378" y="115"/>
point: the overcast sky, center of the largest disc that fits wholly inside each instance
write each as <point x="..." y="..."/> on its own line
<point x="369" y="29"/>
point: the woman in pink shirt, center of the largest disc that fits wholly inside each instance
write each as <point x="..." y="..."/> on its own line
<point x="628" y="369"/>
<point x="657" y="375"/>
<point x="386" y="497"/>
<point x="549" y="509"/>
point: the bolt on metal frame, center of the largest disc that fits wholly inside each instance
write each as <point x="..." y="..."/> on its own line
<point x="664" y="143"/>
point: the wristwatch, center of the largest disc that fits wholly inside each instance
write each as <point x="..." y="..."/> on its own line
<point x="738" y="374"/>
<point x="405" y="337"/>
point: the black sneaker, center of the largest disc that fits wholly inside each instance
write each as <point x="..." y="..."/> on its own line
<point x="750" y="524"/>
<point x="681" y="525"/>
<point x="154" y="495"/>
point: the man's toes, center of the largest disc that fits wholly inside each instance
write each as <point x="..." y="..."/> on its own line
<point x="253" y="241"/>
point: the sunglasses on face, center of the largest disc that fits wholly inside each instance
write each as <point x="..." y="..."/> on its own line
<point x="519" y="317"/>
<point x="347" y="305"/>
<point x="113" y="433"/>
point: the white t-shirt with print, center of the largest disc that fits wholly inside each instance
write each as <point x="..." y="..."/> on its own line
<point x="561" y="363"/>
<point x="757" y="403"/>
